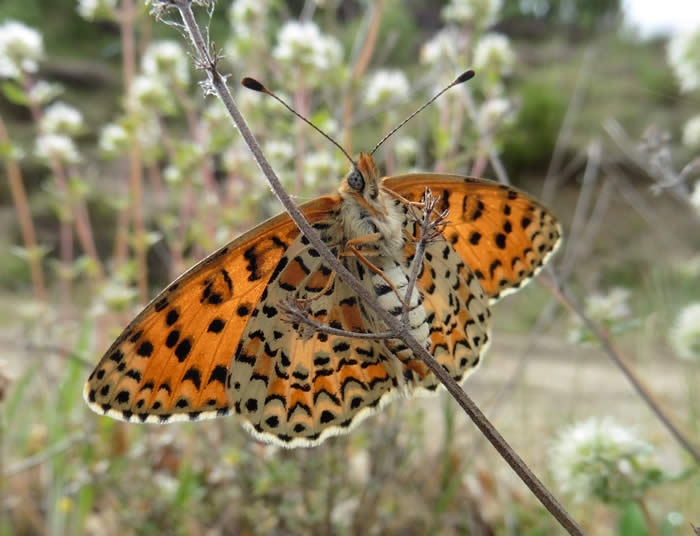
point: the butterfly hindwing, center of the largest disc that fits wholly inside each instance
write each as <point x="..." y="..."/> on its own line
<point x="502" y="234"/>
<point x="295" y="390"/>
<point x="172" y="361"/>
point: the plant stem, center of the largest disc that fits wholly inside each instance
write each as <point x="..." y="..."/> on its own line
<point x="24" y="215"/>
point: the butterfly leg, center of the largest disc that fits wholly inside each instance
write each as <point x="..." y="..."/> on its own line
<point x="360" y="254"/>
<point x="396" y="195"/>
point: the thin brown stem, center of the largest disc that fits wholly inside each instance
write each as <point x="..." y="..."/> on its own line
<point x="24" y="215"/>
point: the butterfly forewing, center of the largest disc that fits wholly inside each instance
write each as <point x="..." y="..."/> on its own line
<point x="502" y="234"/>
<point x="172" y="361"/>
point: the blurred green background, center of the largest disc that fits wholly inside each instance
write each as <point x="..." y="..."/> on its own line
<point x="580" y="103"/>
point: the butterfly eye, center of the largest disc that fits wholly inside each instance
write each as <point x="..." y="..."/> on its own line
<point x="356" y="180"/>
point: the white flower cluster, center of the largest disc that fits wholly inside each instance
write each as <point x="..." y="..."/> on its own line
<point x="320" y="168"/>
<point x="684" y="58"/>
<point x="495" y="111"/>
<point x="444" y="46"/>
<point x="148" y="93"/>
<point x="21" y="48"/>
<point x="244" y="13"/>
<point x="43" y="92"/>
<point x="493" y="52"/>
<point x="166" y="60"/>
<point x="114" y="139"/>
<point x="385" y="86"/>
<point x="481" y="13"/>
<point x="599" y="458"/>
<point x="691" y="132"/>
<point x="695" y="197"/>
<point x="57" y="146"/>
<point x="61" y="118"/>
<point x="302" y="45"/>
<point x="608" y="307"/>
<point x="97" y="9"/>
<point x="279" y="152"/>
<point x="406" y="148"/>
<point x="685" y="334"/>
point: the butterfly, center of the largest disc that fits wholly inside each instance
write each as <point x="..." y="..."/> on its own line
<point x="215" y="342"/>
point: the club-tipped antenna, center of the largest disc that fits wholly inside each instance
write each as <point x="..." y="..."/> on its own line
<point x="466" y="75"/>
<point x="252" y="83"/>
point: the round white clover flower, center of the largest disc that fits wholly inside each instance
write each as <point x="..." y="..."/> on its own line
<point x="149" y="93"/>
<point x="61" y="118"/>
<point x="114" y="139"/>
<point x="599" y="458"/>
<point x="406" y="148"/>
<point x="494" y="111"/>
<point x="21" y="48"/>
<point x="386" y="86"/>
<point x="320" y="167"/>
<point x="478" y="12"/>
<point x="166" y="59"/>
<point x="685" y="334"/>
<point x="302" y="45"/>
<point x="57" y="146"/>
<point x="97" y="9"/>
<point x="443" y="46"/>
<point x="493" y="52"/>
<point x="691" y="132"/>
<point x="43" y="92"/>
<point x="683" y="55"/>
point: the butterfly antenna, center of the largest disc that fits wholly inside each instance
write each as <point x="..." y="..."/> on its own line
<point x="466" y="75"/>
<point x="252" y="83"/>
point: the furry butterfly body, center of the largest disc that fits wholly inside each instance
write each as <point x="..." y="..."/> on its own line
<point x="215" y="342"/>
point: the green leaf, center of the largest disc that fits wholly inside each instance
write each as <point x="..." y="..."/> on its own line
<point x="632" y="521"/>
<point x="14" y="93"/>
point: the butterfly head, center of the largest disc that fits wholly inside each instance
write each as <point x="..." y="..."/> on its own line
<point x="362" y="186"/>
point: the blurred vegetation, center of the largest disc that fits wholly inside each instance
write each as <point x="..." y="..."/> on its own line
<point x="417" y="468"/>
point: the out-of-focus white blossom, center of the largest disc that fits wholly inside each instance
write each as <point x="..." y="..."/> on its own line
<point x="245" y="13"/>
<point x="21" y="48"/>
<point x="406" y="148"/>
<point x="385" y="86"/>
<point x="97" y="9"/>
<point x="599" y="458"/>
<point x="118" y="296"/>
<point x="302" y="45"/>
<point x="167" y="60"/>
<point x="685" y="334"/>
<point x="43" y="92"/>
<point x="495" y="111"/>
<point x="684" y="57"/>
<point x="61" y="118"/>
<point x="493" y="52"/>
<point x="57" y="146"/>
<point x="691" y="132"/>
<point x="114" y="139"/>
<point x="695" y="197"/>
<point x="608" y="307"/>
<point x="321" y="168"/>
<point x="148" y="94"/>
<point x="444" y="46"/>
<point x="481" y="13"/>
<point x="279" y="152"/>
<point x="172" y="174"/>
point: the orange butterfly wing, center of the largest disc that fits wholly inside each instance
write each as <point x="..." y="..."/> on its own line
<point x="172" y="361"/>
<point x="503" y="235"/>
